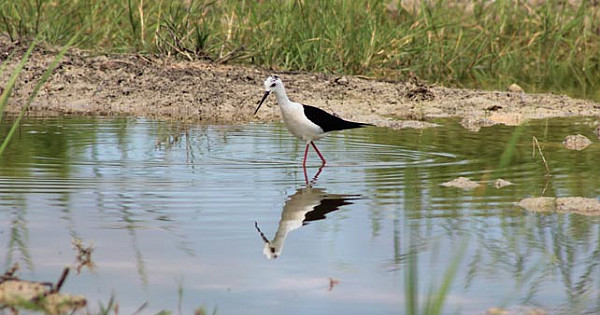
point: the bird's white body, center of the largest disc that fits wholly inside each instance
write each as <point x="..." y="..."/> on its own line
<point x="294" y="118"/>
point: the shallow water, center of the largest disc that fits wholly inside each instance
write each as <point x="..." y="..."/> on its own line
<point x="171" y="212"/>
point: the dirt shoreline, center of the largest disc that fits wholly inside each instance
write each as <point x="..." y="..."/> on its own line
<point x="166" y="88"/>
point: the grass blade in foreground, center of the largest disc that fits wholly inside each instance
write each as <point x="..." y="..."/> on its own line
<point x="36" y="89"/>
<point x="13" y="79"/>
<point x="435" y="299"/>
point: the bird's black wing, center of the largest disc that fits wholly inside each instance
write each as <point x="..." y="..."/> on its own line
<point x="328" y="122"/>
<point x="326" y="206"/>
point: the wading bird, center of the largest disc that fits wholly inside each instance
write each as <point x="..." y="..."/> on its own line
<point x="306" y="122"/>
<point x="306" y="205"/>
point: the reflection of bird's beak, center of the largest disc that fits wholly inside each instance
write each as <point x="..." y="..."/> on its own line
<point x="262" y="101"/>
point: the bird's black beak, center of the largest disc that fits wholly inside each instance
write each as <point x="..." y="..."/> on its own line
<point x="262" y="101"/>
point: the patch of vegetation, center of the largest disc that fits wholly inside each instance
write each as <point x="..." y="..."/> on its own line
<point x="542" y="46"/>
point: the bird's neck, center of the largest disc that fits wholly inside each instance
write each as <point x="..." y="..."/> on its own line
<point x="282" y="98"/>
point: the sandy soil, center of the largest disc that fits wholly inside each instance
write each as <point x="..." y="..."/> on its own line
<point x="165" y="88"/>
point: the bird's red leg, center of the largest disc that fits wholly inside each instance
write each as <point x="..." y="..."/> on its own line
<point x="305" y="176"/>
<point x="305" y="154"/>
<point x="319" y="153"/>
<point x="314" y="180"/>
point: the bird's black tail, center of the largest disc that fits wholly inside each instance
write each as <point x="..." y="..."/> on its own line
<point x="351" y="125"/>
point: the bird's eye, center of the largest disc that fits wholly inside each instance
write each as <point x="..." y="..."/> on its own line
<point x="273" y="85"/>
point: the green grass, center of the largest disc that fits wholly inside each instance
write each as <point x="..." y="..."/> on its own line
<point x="552" y="46"/>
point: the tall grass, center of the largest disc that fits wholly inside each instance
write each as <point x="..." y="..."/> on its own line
<point x="546" y="46"/>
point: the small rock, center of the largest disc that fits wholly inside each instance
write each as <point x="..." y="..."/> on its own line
<point x="515" y="88"/>
<point x="538" y="204"/>
<point x="579" y="205"/>
<point x="13" y="292"/>
<point x="576" y="142"/>
<point x="597" y="132"/>
<point x="58" y="303"/>
<point x="341" y="80"/>
<point x="588" y="206"/>
<point x="499" y="183"/>
<point x="461" y="182"/>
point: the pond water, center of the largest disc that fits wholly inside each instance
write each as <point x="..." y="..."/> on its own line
<point x="174" y="212"/>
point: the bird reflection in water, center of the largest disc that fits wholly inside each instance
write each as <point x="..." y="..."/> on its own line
<point x="306" y="205"/>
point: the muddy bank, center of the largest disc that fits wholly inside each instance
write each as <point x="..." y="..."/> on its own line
<point x="165" y="88"/>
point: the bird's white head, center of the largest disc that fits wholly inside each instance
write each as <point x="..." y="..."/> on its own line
<point x="271" y="252"/>
<point x="272" y="84"/>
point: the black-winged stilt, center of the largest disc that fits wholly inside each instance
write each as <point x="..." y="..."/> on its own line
<point x="306" y="122"/>
<point x="306" y="205"/>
